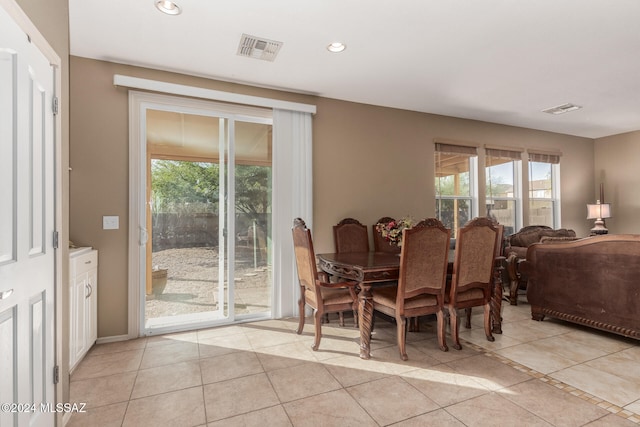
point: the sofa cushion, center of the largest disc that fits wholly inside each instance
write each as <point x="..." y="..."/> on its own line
<point x="526" y="238"/>
<point x="561" y="232"/>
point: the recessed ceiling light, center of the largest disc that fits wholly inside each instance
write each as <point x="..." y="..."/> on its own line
<point x="168" y="7"/>
<point x="561" y="109"/>
<point x="336" y="47"/>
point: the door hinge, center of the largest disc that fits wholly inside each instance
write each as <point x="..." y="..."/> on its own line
<point x="55" y="105"/>
<point x="55" y="240"/>
<point x="56" y="374"/>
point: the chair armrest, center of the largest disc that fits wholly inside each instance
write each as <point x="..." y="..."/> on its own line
<point x="323" y="277"/>
<point x="337" y="285"/>
<point x="350" y="286"/>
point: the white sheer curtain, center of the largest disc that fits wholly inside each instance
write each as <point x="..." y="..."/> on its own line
<point x="292" y="197"/>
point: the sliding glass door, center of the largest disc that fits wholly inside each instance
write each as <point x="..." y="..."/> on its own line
<point x="208" y="214"/>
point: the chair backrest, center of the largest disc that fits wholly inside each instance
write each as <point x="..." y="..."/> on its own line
<point x="424" y="260"/>
<point x="474" y="256"/>
<point x="349" y="235"/>
<point x="380" y="244"/>
<point x="501" y="241"/>
<point x="305" y="256"/>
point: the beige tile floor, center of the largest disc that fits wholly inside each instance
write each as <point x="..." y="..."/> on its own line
<point x="262" y="374"/>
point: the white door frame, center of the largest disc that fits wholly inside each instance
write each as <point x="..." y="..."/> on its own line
<point x="138" y="234"/>
<point x="292" y="192"/>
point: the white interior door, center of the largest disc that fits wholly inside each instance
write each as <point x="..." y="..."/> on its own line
<point x="27" y="260"/>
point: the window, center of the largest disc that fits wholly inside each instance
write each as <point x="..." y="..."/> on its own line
<point x="503" y="194"/>
<point x="544" y="206"/>
<point x="504" y="189"/>
<point x="455" y="181"/>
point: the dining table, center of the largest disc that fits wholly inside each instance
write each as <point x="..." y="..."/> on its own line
<point x="371" y="269"/>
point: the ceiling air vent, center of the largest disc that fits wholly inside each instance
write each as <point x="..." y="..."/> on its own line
<point x="561" y="109"/>
<point x="258" y="48"/>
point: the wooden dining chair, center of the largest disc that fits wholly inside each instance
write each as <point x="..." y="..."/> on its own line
<point x="422" y="280"/>
<point x="322" y="296"/>
<point x="498" y="267"/>
<point x="472" y="276"/>
<point x="349" y="235"/>
<point x="380" y="244"/>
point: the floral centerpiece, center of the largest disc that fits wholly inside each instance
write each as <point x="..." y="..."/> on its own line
<point x="392" y="231"/>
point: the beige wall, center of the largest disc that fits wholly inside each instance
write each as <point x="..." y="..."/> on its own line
<point x="368" y="162"/>
<point x="371" y="162"/>
<point x="616" y="166"/>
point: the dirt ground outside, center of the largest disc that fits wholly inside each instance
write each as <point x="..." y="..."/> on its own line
<point x="192" y="282"/>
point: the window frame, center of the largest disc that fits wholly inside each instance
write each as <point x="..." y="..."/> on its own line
<point x="471" y="152"/>
<point x="553" y="159"/>
<point x="515" y="156"/>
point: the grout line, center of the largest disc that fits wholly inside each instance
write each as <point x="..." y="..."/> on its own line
<point x="624" y="413"/>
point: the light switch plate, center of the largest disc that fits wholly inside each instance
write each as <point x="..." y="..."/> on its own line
<point x="110" y="222"/>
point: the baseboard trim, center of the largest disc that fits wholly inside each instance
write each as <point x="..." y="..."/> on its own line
<point x="114" y="338"/>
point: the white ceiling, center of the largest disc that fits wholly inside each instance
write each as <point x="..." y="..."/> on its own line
<point x="499" y="61"/>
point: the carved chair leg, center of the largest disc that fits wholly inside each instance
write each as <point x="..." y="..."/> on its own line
<point x="318" y="329"/>
<point x="496" y="302"/>
<point x="467" y="323"/>
<point x="401" y="323"/>
<point x="487" y="322"/>
<point x="513" y="292"/>
<point x="453" y="318"/>
<point x="301" y="320"/>
<point x="341" y="319"/>
<point x="414" y="324"/>
<point x="355" y="318"/>
<point x="442" y="340"/>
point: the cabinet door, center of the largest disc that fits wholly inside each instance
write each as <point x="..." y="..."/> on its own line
<point x="83" y="271"/>
<point x="73" y="322"/>
<point x="91" y="308"/>
<point x="78" y="344"/>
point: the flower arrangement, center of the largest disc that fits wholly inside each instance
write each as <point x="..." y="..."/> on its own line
<point x="392" y="231"/>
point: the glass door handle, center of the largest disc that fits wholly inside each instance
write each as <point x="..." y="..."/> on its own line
<point x="144" y="236"/>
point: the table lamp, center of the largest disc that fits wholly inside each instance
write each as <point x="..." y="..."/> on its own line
<point x="599" y="212"/>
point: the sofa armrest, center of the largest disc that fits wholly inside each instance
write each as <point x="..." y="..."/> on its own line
<point x="520" y="251"/>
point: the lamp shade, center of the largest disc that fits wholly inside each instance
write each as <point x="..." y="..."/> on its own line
<point x="599" y="211"/>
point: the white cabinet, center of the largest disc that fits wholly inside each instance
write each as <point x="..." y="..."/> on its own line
<point x="83" y="292"/>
